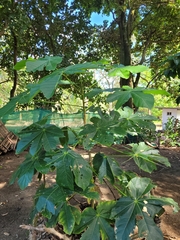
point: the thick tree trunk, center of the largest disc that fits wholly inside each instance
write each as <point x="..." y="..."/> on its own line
<point x="125" y="50"/>
<point x="15" y="78"/>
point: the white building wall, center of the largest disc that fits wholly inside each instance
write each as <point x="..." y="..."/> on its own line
<point x="168" y="113"/>
<point x="178" y="114"/>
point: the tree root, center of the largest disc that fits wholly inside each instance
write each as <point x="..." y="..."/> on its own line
<point x="42" y="228"/>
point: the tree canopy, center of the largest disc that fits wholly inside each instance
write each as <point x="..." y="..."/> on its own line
<point x="141" y="32"/>
<point x="39" y="28"/>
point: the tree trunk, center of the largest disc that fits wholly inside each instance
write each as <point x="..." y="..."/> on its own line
<point x="15" y="78"/>
<point x="125" y="51"/>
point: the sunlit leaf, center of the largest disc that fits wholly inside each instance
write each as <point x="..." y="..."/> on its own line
<point x="156" y="92"/>
<point x="66" y="218"/>
<point x="121" y="72"/>
<point x="48" y="63"/>
<point x="140" y="186"/>
<point x="146" y="157"/>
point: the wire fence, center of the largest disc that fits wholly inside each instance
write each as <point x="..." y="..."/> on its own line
<point x="16" y="121"/>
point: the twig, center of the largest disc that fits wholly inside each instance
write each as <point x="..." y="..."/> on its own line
<point x="42" y="228"/>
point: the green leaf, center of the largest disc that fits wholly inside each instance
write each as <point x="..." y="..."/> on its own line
<point x="24" y="173"/>
<point x="104" y="209"/>
<point x="140" y="98"/>
<point x="124" y="71"/>
<point x="104" y="138"/>
<point x="69" y="163"/>
<point x="88" y="215"/>
<point x="77" y="214"/>
<point x="82" y="68"/>
<point x="148" y="229"/>
<point x="105" y="167"/>
<point x="139" y="187"/>
<point x="94" y="92"/>
<point x="136" y="69"/>
<point x="46" y="136"/>
<point x="140" y="208"/>
<point x="93" y="231"/>
<point x="25" y="179"/>
<point x="156" y="92"/>
<point x="67" y="219"/>
<point x="146" y="157"/>
<point x="86" y="129"/>
<point x="49" y="63"/>
<point x="43" y="203"/>
<point x="20" y="65"/>
<point x="124" y="225"/>
<point x="164" y="201"/>
<point x="56" y="194"/>
<point x="25" y="142"/>
<point x="123" y="98"/>
<point x="96" y="222"/>
<point x="49" y="83"/>
<point x="119" y="95"/>
<point x="89" y="192"/>
<point x="125" y="212"/>
<point x="81" y="170"/>
<point x="63" y="163"/>
<point x="143" y="100"/>
<point x="120" y="72"/>
<point x="88" y="142"/>
<point x="10" y="106"/>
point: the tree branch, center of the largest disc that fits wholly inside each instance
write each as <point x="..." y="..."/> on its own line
<point x="154" y="78"/>
<point x="4" y="81"/>
<point x="42" y="228"/>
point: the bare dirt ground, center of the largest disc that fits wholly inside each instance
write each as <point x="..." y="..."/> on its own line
<point x="15" y="205"/>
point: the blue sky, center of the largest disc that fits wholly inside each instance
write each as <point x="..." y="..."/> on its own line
<point x="99" y="18"/>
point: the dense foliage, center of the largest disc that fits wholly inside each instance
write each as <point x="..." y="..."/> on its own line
<point x="141" y="32"/>
<point x="78" y="178"/>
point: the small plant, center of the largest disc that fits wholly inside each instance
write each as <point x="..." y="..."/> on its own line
<point x="80" y="180"/>
<point x="171" y="133"/>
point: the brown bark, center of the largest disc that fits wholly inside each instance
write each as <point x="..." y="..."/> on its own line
<point x="15" y="77"/>
<point x="125" y="48"/>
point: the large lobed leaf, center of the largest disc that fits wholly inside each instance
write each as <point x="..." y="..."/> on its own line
<point x="147" y="228"/>
<point x="139" y="208"/>
<point x="100" y="130"/>
<point x="124" y="71"/>
<point x="146" y="157"/>
<point x="40" y="136"/>
<point x="140" y="97"/>
<point x="71" y="167"/>
<point x="48" y="63"/>
<point x="48" y="84"/>
<point x="95" y="222"/>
